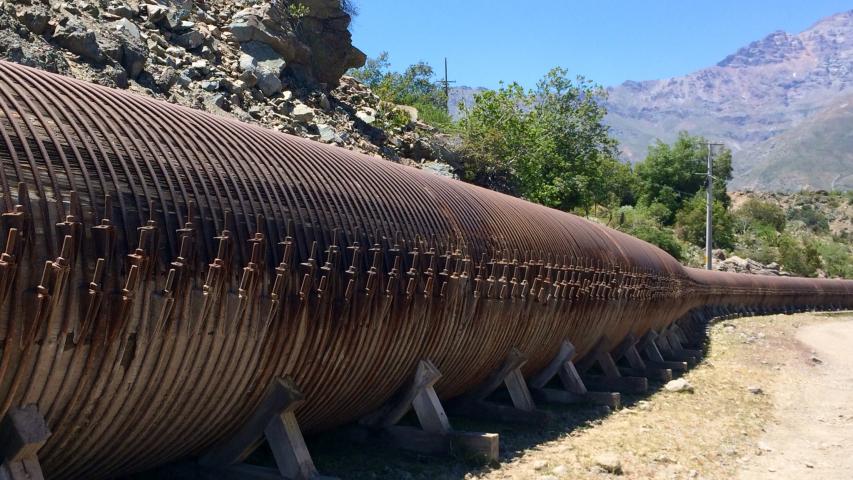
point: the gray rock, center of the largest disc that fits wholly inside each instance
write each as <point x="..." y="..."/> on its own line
<point x="412" y="112"/>
<point x="678" y="385"/>
<point x="35" y="18"/>
<point x="366" y="117"/>
<point x="211" y="85"/>
<point x="327" y="133"/>
<point x="560" y="470"/>
<point x="261" y="24"/>
<point x="122" y="10"/>
<point x="128" y="48"/>
<point x="166" y="78"/>
<point x="75" y="37"/>
<point x="609" y="462"/>
<point x="302" y="113"/>
<point x="190" y="40"/>
<point x="265" y="65"/>
<point x="755" y="390"/>
<point x="156" y="13"/>
<point x="215" y="102"/>
<point x="325" y="104"/>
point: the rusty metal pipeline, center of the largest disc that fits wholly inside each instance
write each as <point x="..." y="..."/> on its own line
<point x="161" y="265"/>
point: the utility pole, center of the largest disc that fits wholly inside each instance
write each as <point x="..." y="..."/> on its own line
<point x="446" y="83"/>
<point x="709" y="208"/>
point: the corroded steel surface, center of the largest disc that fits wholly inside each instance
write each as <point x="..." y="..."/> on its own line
<point x="162" y="265"/>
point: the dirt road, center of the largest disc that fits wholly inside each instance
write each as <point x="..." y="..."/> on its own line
<point x="811" y="435"/>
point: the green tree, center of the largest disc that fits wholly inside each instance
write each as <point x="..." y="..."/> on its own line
<point x="672" y="174"/>
<point x="548" y="145"/>
<point x="690" y="222"/>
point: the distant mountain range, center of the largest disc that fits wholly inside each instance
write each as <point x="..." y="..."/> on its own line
<point x="783" y="104"/>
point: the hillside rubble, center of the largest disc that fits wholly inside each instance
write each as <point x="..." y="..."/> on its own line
<point x="736" y="264"/>
<point x="279" y="64"/>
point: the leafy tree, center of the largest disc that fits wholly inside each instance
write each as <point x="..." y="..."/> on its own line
<point x="548" y="145"/>
<point x="672" y="174"/>
<point x="690" y="222"/>
<point x="497" y="138"/>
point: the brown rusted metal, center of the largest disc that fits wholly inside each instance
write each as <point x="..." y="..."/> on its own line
<point x="161" y="266"/>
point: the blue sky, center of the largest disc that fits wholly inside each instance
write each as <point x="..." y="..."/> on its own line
<point x="608" y="41"/>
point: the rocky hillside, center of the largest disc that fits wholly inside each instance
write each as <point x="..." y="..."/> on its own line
<point x="279" y="63"/>
<point x="756" y="101"/>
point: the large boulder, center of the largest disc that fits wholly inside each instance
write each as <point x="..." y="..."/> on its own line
<point x="317" y="48"/>
<point x="326" y="31"/>
<point x="263" y="24"/>
<point x="132" y="49"/>
<point x="72" y="35"/>
<point x="264" y="64"/>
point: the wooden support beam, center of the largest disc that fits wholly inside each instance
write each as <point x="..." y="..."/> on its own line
<point x="612" y="379"/>
<point x="274" y="420"/>
<point x="638" y="367"/>
<point x="417" y="440"/>
<point x="617" y="384"/>
<point x="565" y="354"/>
<point x="574" y="391"/>
<point x="389" y="414"/>
<point x="624" y="346"/>
<point x="523" y="409"/>
<point x="510" y="375"/>
<point x="23" y="432"/>
<point x="435" y="437"/>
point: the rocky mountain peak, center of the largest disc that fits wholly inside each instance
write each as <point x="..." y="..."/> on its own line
<point x="778" y="47"/>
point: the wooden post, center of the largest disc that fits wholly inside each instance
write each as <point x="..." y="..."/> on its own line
<point x="523" y="409"/>
<point x="637" y="367"/>
<point x="612" y="378"/>
<point x="574" y="391"/>
<point x="274" y="420"/>
<point x="654" y="358"/>
<point x="22" y="434"/>
<point x="435" y="435"/>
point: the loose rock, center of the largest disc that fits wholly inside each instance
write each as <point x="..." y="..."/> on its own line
<point x="678" y="385"/>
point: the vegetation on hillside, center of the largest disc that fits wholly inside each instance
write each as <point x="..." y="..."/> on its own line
<point x="549" y="145"/>
<point x="416" y="86"/>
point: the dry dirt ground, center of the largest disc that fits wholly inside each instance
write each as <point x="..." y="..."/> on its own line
<point x="773" y="398"/>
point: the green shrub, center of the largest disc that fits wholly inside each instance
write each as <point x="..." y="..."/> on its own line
<point x="642" y="222"/>
<point x="416" y="86"/>
<point x="755" y="213"/>
<point x="813" y="219"/>
<point x="798" y="256"/>
<point x="836" y="258"/>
